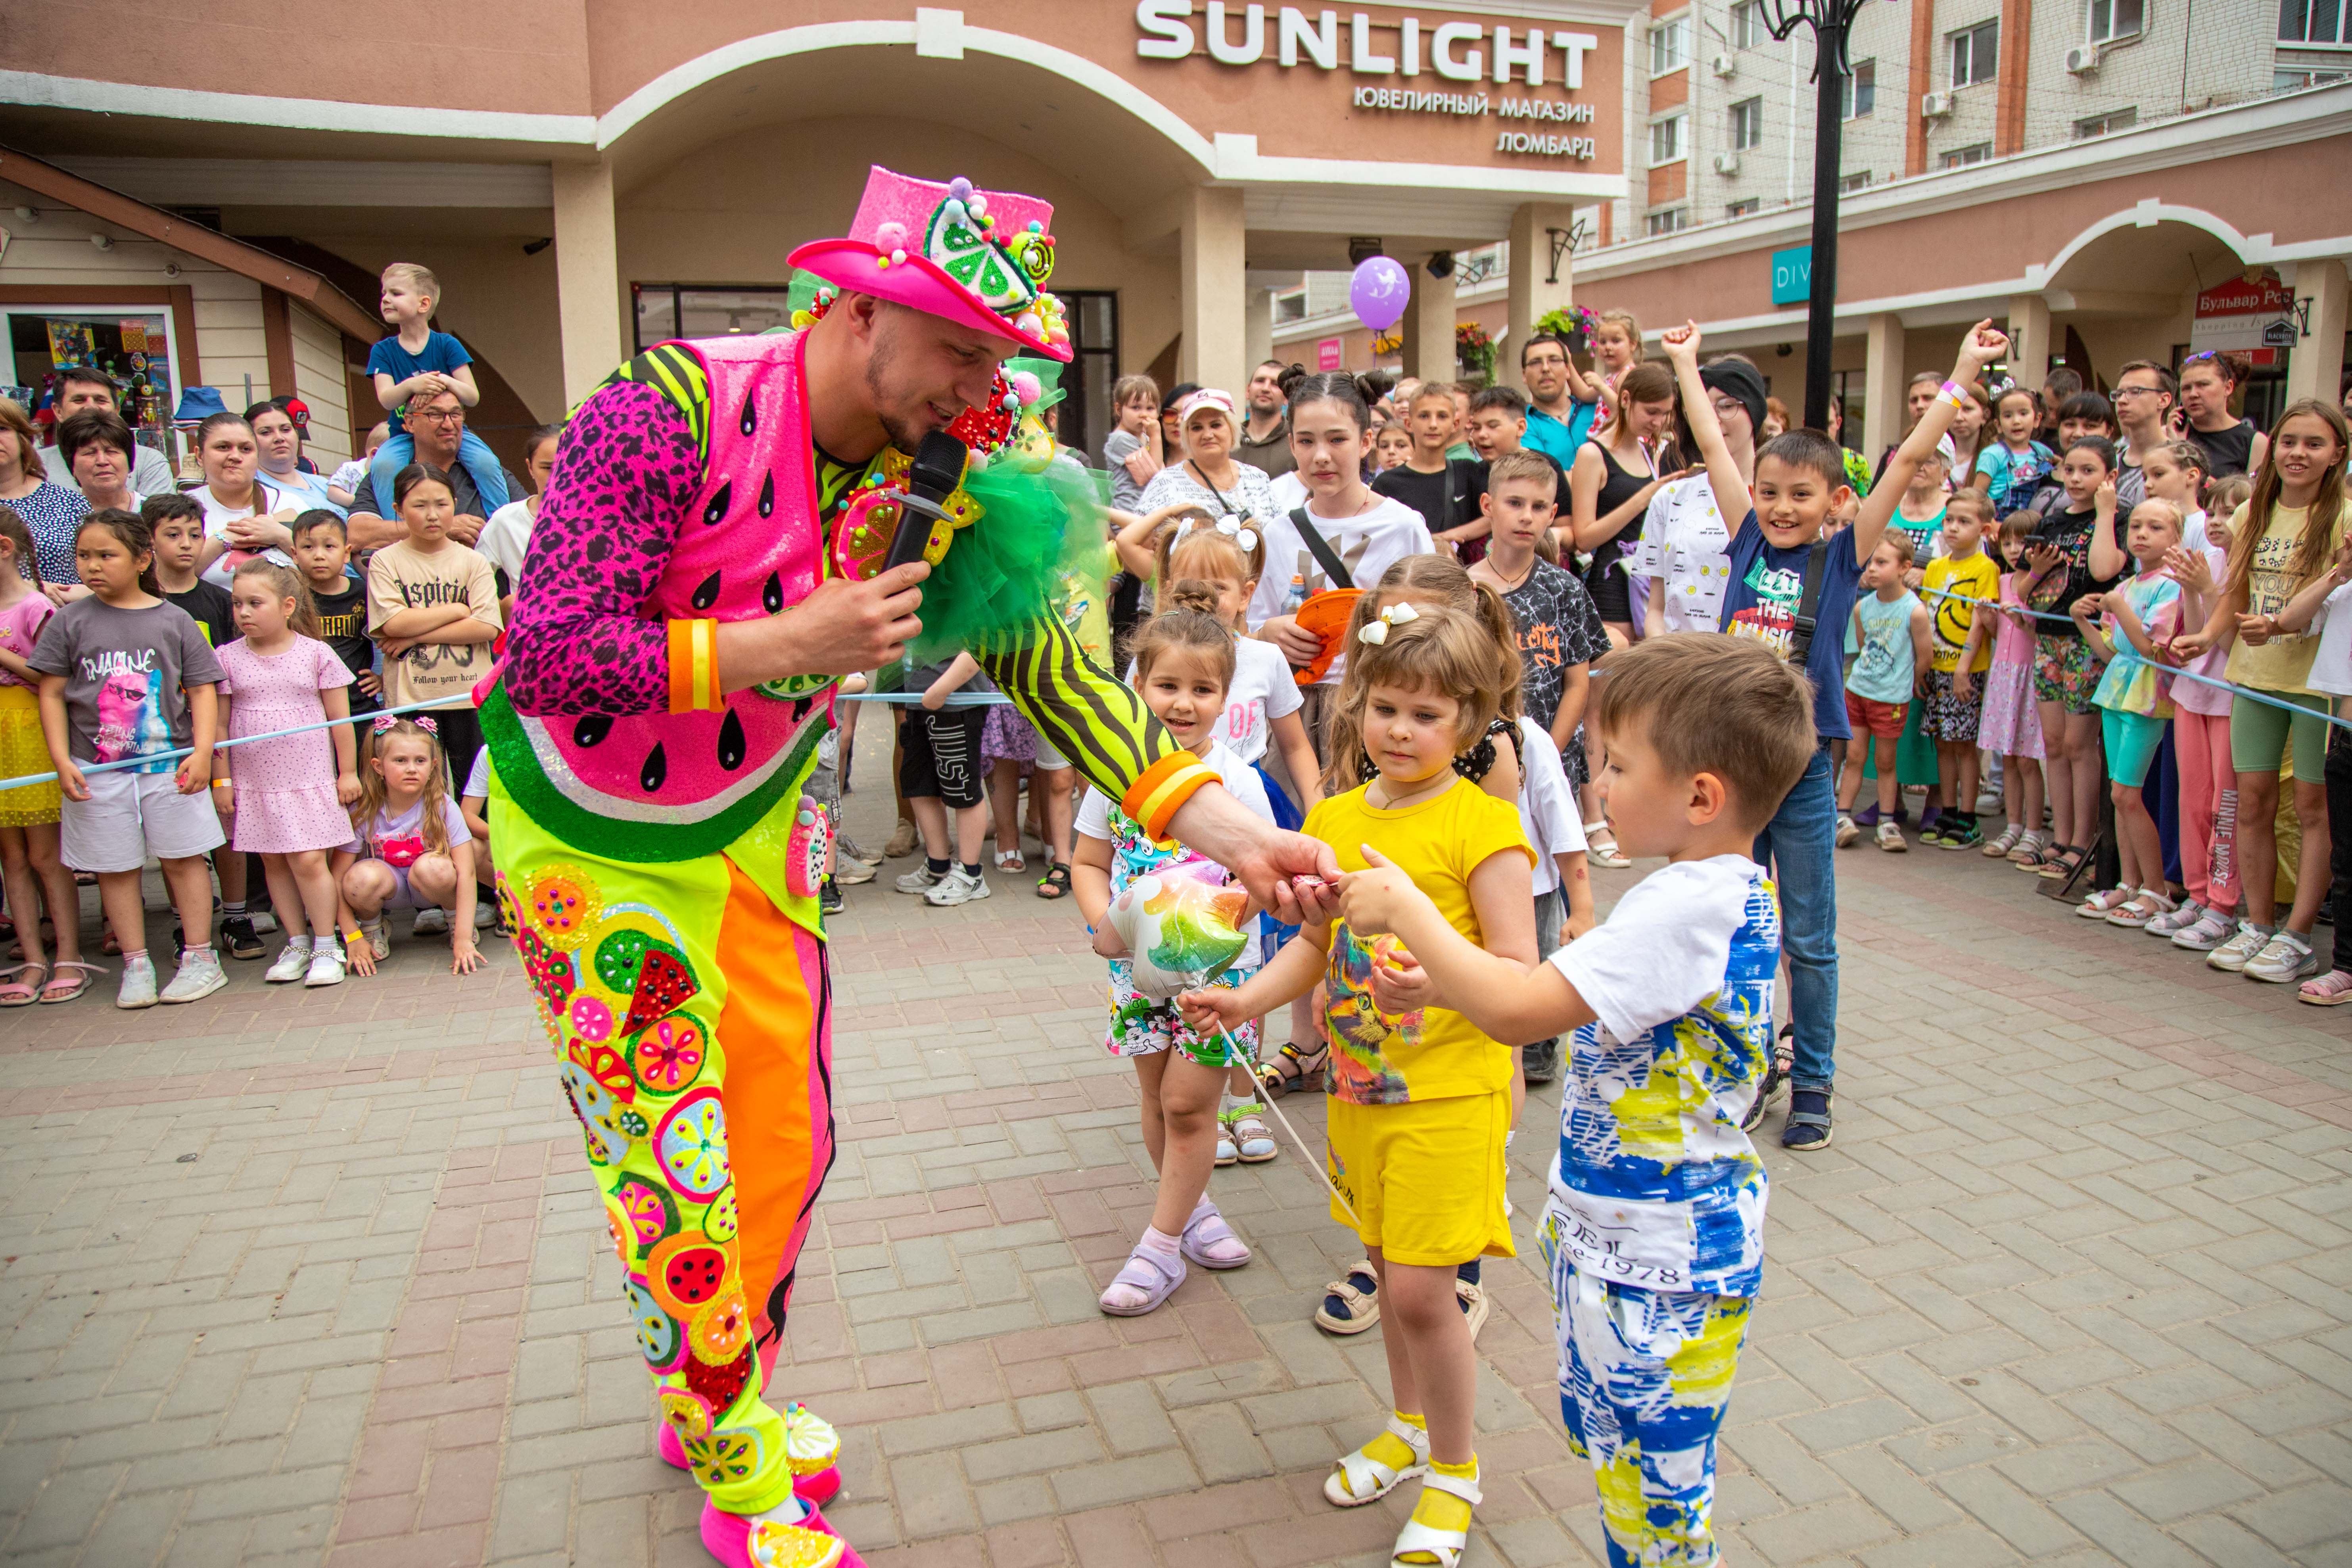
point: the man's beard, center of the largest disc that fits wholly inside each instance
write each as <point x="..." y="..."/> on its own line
<point x="903" y="435"/>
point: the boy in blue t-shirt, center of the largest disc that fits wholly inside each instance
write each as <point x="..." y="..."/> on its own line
<point x="413" y="364"/>
<point x="1801" y="479"/>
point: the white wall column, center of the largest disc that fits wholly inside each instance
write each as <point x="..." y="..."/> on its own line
<point x="587" y="277"/>
<point x="1258" y="331"/>
<point x="1214" y="257"/>
<point x="1428" y="324"/>
<point x="2314" y="367"/>
<point x="1531" y="292"/>
<point x="1883" y="380"/>
<point x="2029" y="340"/>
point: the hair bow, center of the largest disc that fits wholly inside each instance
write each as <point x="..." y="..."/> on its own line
<point x="1376" y="631"/>
<point x="1228" y="525"/>
<point x="385" y="722"/>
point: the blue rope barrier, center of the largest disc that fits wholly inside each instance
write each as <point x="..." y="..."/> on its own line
<point x="2174" y="670"/>
<point x="954" y="698"/>
<point x="154" y="757"/>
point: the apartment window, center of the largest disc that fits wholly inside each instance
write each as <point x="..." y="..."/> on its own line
<point x="1855" y="182"/>
<point x="2314" y="22"/>
<point x="2295" y="82"/>
<point x="1742" y="207"/>
<point x="1961" y="157"/>
<point x="1669" y="140"/>
<point x="1858" y="93"/>
<point x="2113" y="19"/>
<point x="1290" y="307"/>
<point x="1976" y="53"/>
<point x="2106" y="124"/>
<point x="1669" y="45"/>
<point x="1670" y="220"/>
<point x="1747" y="124"/>
<point x="1748" y="29"/>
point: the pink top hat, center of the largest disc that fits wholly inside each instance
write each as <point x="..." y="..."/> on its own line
<point x="977" y="257"/>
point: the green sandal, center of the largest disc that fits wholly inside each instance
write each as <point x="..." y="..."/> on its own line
<point x="1055" y="883"/>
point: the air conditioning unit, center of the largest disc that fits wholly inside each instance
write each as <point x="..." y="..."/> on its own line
<point x="1935" y="105"/>
<point x="1723" y="65"/>
<point x="2083" y="58"/>
<point x="1726" y="163"/>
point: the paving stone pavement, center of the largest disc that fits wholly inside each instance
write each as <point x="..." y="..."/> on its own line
<point x="302" y="1278"/>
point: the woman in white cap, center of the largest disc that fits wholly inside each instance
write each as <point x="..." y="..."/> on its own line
<point x="1209" y="476"/>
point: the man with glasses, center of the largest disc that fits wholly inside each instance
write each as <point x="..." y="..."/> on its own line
<point x="437" y="423"/>
<point x="1557" y="421"/>
<point x="2143" y="398"/>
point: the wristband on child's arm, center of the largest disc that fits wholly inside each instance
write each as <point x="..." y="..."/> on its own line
<point x="1957" y="394"/>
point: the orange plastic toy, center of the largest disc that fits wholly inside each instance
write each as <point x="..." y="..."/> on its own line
<point x="1326" y="615"/>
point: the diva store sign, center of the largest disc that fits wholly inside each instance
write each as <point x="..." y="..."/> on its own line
<point x="1404" y="66"/>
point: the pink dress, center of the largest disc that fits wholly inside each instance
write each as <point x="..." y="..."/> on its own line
<point x="285" y="788"/>
<point x="2012" y="725"/>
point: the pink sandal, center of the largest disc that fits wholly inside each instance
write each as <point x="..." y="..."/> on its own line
<point x="2333" y="989"/>
<point x="67" y="988"/>
<point x="812" y="1448"/>
<point x="1206" y="1229"/>
<point x="23" y="992"/>
<point x="1144" y="1271"/>
<point x="741" y="1542"/>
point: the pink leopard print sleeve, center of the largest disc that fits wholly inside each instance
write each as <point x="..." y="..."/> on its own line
<point x="582" y="640"/>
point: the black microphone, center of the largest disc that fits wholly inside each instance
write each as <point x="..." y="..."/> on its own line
<point x="938" y="470"/>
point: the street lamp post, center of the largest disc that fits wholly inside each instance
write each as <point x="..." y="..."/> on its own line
<point x="1830" y="21"/>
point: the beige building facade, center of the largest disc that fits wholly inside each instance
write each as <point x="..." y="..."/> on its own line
<point x="586" y="177"/>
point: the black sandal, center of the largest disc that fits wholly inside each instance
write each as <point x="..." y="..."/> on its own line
<point x="1306" y="1069"/>
<point x="1055" y="883"/>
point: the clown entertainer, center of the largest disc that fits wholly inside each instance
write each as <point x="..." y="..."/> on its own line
<point x="707" y="561"/>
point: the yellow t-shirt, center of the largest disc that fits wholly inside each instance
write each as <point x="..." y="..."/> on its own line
<point x="2283" y="663"/>
<point x="1433" y="1053"/>
<point x="1974" y="578"/>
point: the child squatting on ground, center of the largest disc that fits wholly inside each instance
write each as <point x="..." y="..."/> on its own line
<point x="1421" y="1096"/>
<point x="1653" y="1235"/>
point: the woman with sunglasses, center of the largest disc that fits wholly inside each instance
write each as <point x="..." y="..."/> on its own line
<point x="2209" y="380"/>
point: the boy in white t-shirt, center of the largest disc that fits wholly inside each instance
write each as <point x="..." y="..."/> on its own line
<point x="1671" y="1000"/>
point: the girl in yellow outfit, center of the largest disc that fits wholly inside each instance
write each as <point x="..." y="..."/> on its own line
<point x="1421" y="1098"/>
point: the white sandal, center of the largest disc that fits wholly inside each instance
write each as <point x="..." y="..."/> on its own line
<point x="1445" y="1545"/>
<point x="1600" y="847"/>
<point x="1358" y="1479"/>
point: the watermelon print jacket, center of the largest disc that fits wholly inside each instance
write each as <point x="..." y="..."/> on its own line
<point x="688" y="491"/>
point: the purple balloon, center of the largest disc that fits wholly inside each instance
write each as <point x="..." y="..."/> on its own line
<point x="1377" y="292"/>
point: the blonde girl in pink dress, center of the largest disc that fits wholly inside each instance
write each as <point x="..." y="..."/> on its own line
<point x="290" y="794"/>
<point x="2012" y="725"/>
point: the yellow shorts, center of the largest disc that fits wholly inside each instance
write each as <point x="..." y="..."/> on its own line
<point x="1426" y="1178"/>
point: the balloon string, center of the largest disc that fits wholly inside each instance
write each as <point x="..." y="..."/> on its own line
<point x="1305" y="1152"/>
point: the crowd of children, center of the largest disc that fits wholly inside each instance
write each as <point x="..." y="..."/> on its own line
<point x="1475" y="641"/>
<point x="224" y="686"/>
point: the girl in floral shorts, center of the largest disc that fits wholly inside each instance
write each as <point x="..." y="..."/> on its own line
<point x="1184" y="666"/>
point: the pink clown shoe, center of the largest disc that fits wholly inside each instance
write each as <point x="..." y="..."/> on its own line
<point x="811" y="1447"/>
<point x="741" y="1542"/>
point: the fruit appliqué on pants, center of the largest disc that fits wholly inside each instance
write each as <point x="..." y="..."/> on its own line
<point x="686" y="1273"/>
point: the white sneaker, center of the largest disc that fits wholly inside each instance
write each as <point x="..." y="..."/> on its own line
<point x="434" y="921"/>
<point x="2284" y="959"/>
<point x="1890" y="837"/>
<point x="958" y="886"/>
<point x="2233" y="954"/>
<point x="327" y="967"/>
<point x="379" y="938"/>
<point x="1847" y="832"/>
<point x="292" y="964"/>
<point x="2189" y="912"/>
<point x="921" y="879"/>
<point x="264" y="922"/>
<point x="486" y="914"/>
<point x="138" y="988"/>
<point x="200" y="975"/>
